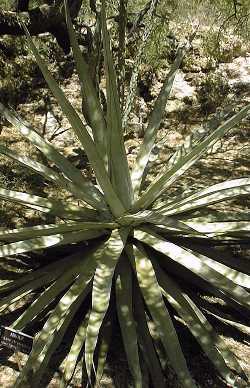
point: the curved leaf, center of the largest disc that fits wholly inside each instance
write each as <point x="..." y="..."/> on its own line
<point x="124" y="305"/>
<point x="90" y="99"/>
<point x="90" y="193"/>
<point x="193" y="263"/>
<point x="167" y="178"/>
<point x="44" y="205"/>
<point x="51" y="229"/>
<point x="107" y="261"/>
<point x="37" y="243"/>
<point x="155" y="121"/>
<point x="81" y="132"/>
<point x="199" y="326"/>
<point x="153" y="298"/>
<point x="146" y="343"/>
<point x="213" y="194"/>
<point x="119" y="171"/>
<point x="52" y="333"/>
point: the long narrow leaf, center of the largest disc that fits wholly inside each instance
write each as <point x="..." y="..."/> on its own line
<point x="199" y="326"/>
<point x="213" y="194"/>
<point x="90" y="193"/>
<point x="153" y="298"/>
<point x="124" y="305"/>
<point x="28" y="288"/>
<point x="51" y="229"/>
<point x="44" y="205"/>
<point x="90" y="98"/>
<point x="119" y="171"/>
<point x="53" y="176"/>
<point x="81" y="132"/>
<point x="60" y="266"/>
<point x="86" y="265"/>
<point x="155" y="121"/>
<point x="146" y="343"/>
<point x="103" y="346"/>
<point x="193" y="263"/>
<point x="51" y="335"/>
<point x="101" y="291"/>
<point x="37" y="243"/>
<point x="168" y="177"/>
<point x="73" y="355"/>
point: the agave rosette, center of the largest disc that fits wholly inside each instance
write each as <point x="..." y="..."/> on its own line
<point x="145" y="254"/>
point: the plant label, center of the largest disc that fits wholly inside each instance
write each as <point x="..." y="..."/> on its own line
<point x="15" y="340"/>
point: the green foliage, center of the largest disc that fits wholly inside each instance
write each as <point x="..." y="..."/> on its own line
<point x="143" y="252"/>
<point x="212" y="92"/>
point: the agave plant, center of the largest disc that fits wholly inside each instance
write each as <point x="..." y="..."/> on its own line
<point x="147" y="253"/>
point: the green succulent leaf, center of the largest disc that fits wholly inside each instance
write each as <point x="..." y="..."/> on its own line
<point x="154" y="122"/>
<point x="52" y="240"/>
<point x="193" y="263"/>
<point x="86" y="266"/>
<point x="81" y="132"/>
<point x="77" y="184"/>
<point x="44" y="270"/>
<point x="124" y="305"/>
<point x="153" y="298"/>
<point x="23" y="290"/>
<point x="146" y="343"/>
<point x="104" y="341"/>
<point x="118" y="164"/>
<point x="74" y="353"/>
<point x="51" y="229"/>
<point x="170" y="176"/>
<point x="199" y="327"/>
<point x="73" y="356"/>
<point x="90" y="99"/>
<point x="51" y="335"/>
<point x="102" y="283"/>
<point x="51" y="206"/>
<point x="213" y="194"/>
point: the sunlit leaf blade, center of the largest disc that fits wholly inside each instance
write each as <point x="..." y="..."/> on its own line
<point x="50" y="206"/>
<point x="146" y="343"/>
<point x="167" y="178"/>
<point x="152" y="217"/>
<point x="220" y="344"/>
<point x="37" y="243"/>
<point x="213" y="194"/>
<point x="53" y="176"/>
<point x="45" y="270"/>
<point x="199" y="134"/>
<point x="103" y="346"/>
<point x="81" y="132"/>
<point x="86" y="265"/>
<point x="154" y="122"/>
<point x="204" y="215"/>
<point x="214" y="228"/>
<point x="73" y="355"/>
<point x="124" y="305"/>
<point x="118" y="164"/>
<point x="28" y="288"/>
<point x="90" y="99"/>
<point x="198" y="325"/>
<point x="51" y="229"/>
<point x="52" y="333"/>
<point x="237" y="277"/>
<point x="154" y="301"/>
<point x="193" y="263"/>
<point x="225" y="318"/>
<point x="101" y="290"/>
<point x="89" y="192"/>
